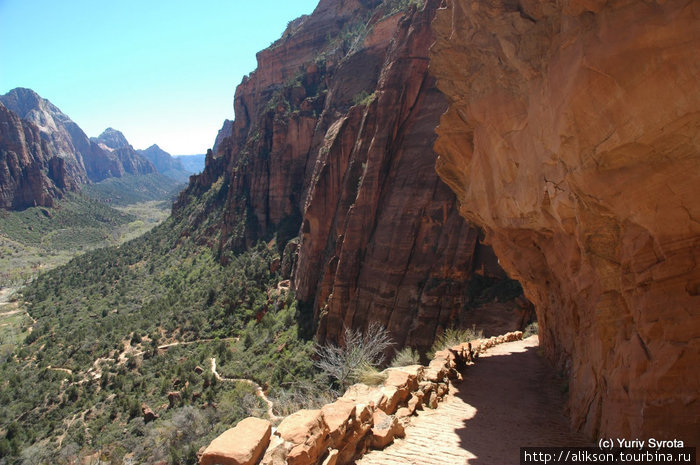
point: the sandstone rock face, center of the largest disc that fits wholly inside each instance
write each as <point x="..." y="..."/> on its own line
<point x="148" y="414"/>
<point x="30" y="174"/>
<point x="224" y="132"/>
<point x="385" y="429"/>
<point x="77" y="159"/>
<point x="85" y="161"/>
<point x="332" y="142"/>
<point x="111" y="139"/>
<point x="161" y="159"/>
<point x="308" y="433"/>
<point x="242" y="445"/>
<point x="572" y="139"/>
<point x="380" y="237"/>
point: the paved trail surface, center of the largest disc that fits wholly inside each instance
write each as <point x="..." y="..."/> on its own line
<point x="510" y="398"/>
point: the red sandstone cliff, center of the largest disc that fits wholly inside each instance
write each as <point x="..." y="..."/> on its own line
<point x="572" y="139"/>
<point x="28" y="178"/>
<point x="333" y="142"/>
<point x="30" y="175"/>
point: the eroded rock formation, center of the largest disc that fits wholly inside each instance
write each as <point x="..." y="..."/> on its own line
<point x="46" y="153"/>
<point x="165" y="163"/>
<point x="333" y="142"/>
<point x="572" y="139"/>
<point x="30" y="174"/>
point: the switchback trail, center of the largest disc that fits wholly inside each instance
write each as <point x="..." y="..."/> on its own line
<point x="258" y="389"/>
<point x="510" y="398"/>
<point x="7" y="302"/>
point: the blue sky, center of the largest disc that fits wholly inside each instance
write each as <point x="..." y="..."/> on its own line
<point x="159" y="71"/>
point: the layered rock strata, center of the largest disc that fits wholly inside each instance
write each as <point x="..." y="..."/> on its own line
<point x="332" y="142"/>
<point x="572" y="138"/>
<point x="30" y="175"/>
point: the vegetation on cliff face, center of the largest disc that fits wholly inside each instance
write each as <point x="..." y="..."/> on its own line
<point x="120" y="356"/>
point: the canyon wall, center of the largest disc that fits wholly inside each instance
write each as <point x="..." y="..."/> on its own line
<point x="381" y="237"/>
<point x="331" y="153"/>
<point x="46" y="133"/>
<point x="572" y="139"/>
<point x="30" y="175"/>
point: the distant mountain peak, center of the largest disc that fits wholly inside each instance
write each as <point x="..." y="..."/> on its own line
<point x="112" y="138"/>
<point x="154" y="149"/>
<point x="30" y="106"/>
<point x="24" y="93"/>
<point x="165" y="163"/>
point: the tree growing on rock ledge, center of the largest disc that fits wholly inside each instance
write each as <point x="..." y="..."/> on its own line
<point x="359" y="350"/>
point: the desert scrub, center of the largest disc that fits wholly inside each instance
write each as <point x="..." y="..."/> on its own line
<point x="363" y="98"/>
<point x="301" y="395"/>
<point x="370" y="375"/>
<point x="346" y="363"/>
<point x="452" y="337"/>
<point x="531" y="329"/>
<point x="406" y="357"/>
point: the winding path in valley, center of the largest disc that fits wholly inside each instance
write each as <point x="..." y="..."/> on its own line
<point x="7" y="302"/>
<point x="510" y="398"/>
<point x="258" y="389"/>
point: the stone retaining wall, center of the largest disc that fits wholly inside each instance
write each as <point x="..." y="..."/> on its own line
<point x="365" y="417"/>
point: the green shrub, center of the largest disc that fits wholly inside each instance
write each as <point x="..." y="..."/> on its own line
<point x="531" y="329"/>
<point x="452" y="337"/>
<point x="406" y="357"/>
<point x="363" y="98"/>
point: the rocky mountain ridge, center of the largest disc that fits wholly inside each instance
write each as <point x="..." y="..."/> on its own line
<point x="111" y="139"/>
<point x="165" y="163"/>
<point x="78" y="160"/>
<point x="331" y="154"/>
<point x="133" y="162"/>
<point x="30" y="173"/>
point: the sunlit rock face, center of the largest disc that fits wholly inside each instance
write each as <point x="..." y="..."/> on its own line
<point x="46" y="133"/>
<point x="382" y="239"/>
<point x="132" y="162"/>
<point x="332" y="146"/>
<point x="572" y="138"/>
<point x="30" y="173"/>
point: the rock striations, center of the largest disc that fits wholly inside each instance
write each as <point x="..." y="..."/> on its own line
<point x="30" y="174"/>
<point x="332" y="143"/>
<point x="572" y="139"/>
<point x="54" y="154"/>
